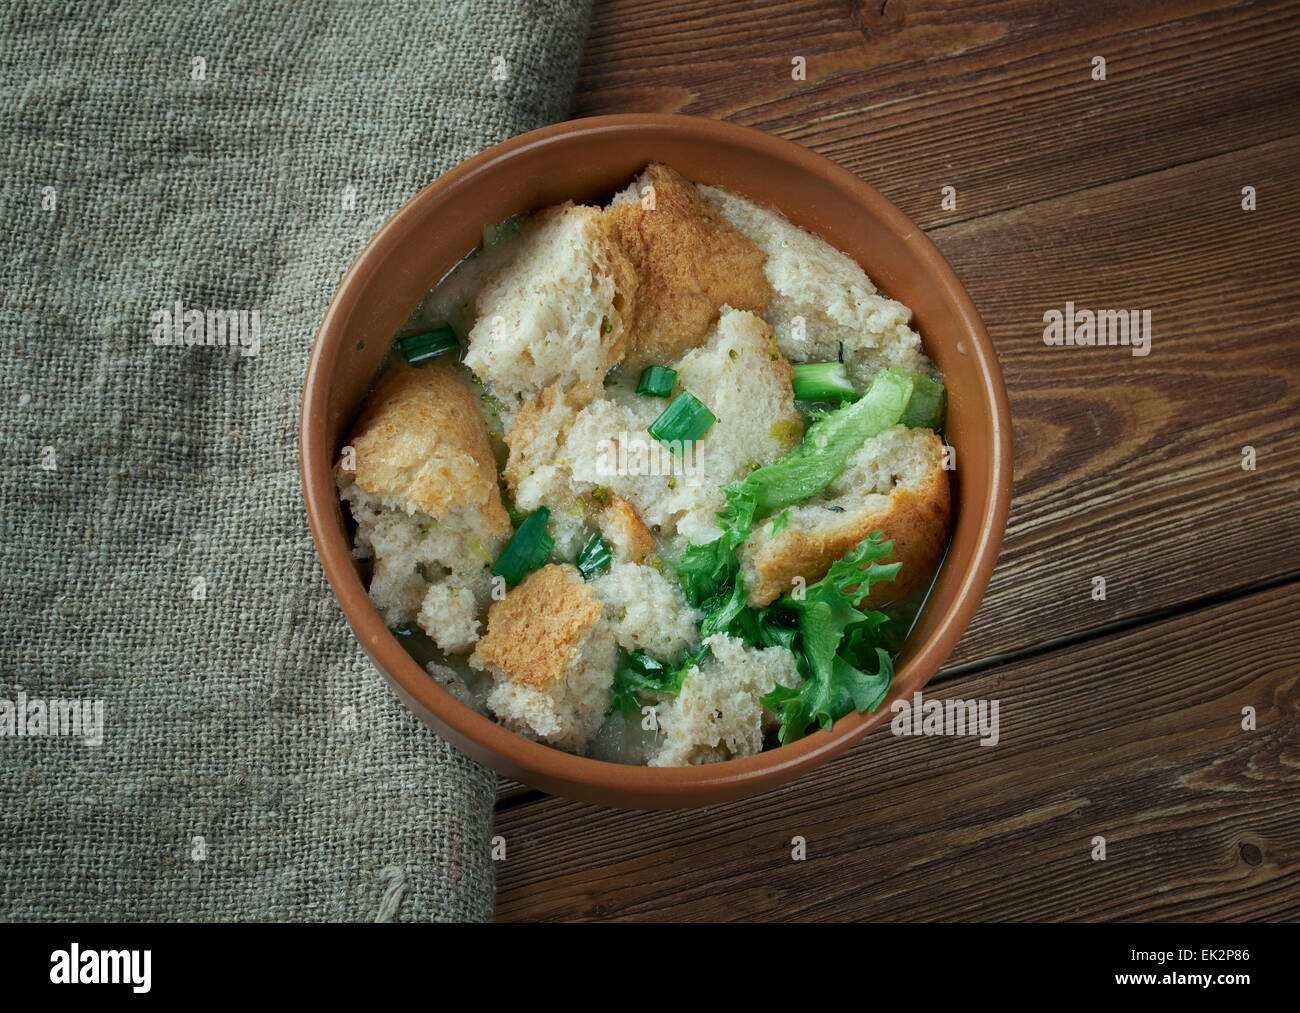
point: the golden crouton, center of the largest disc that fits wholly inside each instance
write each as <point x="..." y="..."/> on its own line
<point x="551" y="656"/>
<point x="536" y="631"/>
<point x="689" y="262"/>
<point x="421" y="445"/>
<point x="627" y="534"/>
<point x="915" y="513"/>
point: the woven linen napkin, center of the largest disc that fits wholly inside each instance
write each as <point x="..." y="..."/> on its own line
<point x="159" y="590"/>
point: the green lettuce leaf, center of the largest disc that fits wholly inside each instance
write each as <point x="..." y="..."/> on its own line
<point x="841" y="657"/>
<point x="826" y="446"/>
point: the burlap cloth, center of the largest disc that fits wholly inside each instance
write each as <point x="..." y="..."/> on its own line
<point x="253" y="765"/>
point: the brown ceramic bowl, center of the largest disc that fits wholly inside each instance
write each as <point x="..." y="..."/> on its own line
<point x="586" y="160"/>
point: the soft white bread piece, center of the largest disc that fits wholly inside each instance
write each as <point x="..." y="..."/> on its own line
<point x="566" y="457"/>
<point x="629" y="193"/>
<point x="896" y="484"/>
<point x="536" y="472"/>
<point x="630" y="541"/>
<point x="745" y="381"/>
<point x="838" y="303"/>
<point x="742" y="376"/>
<point x="609" y="447"/>
<point x="539" y="429"/>
<point x="689" y="262"/>
<point x="449" y="614"/>
<point x="425" y="499"/>
<point x="426" y="570"/>
<point x="646" y="610"/>
<point x="717" y="716"/>
<point x="557" y="309"/>
<point x="551" y="657"/>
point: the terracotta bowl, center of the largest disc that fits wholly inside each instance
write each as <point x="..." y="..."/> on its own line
<point x="587" y="160"/>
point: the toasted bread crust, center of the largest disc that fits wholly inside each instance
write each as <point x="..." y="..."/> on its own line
<point x="689" y="262"/>
<point x="621" y="524"/>
<point x="915" y="517"/>
<point x="421" y="445"/>
<point x="537" y="431"/>
<point x="537" y="629"/>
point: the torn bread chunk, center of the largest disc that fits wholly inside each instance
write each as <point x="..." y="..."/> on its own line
<point x="630" y="541"/>
<point x="420" y="446"/>
<point x="424" y="495"/>
<point x="744" y="379"/>
<point x="745" y="382"/>
<point x="896" y="484"/>
<point x="536" y="471"/>
<point x="646" y="611"/>
<point x="431" y="572"/>
<point x="718" y="716"/>
<point x="689" y="262"/>
<point x="822" y="303"/>
<point x="562" y="452"/>
<point x="556" y="311"/>
<point x="551" y="657"/>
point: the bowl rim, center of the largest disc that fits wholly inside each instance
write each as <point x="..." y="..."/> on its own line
<point x="546" y="767"/>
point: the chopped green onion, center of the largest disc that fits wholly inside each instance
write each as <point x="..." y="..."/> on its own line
<point x="418" y="348"/>
<point x="594" y="557"/>
<point x="816" y="381"/>
<point x="685" y="420"/>
<point x="925" y="409"/>
<point x="542" y="553"/>
<point x="500" y="232"/>
<point x="527" y="549"/>
<point x="657" y="381"/>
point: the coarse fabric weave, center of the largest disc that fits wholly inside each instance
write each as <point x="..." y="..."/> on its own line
<point x="226" y="156"/>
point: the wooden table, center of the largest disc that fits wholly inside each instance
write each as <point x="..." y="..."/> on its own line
<point x="1121" y="718"/>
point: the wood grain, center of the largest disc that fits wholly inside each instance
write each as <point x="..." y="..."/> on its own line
<point x="995" y="99"/>
<point x="1136" y="738"/>
<point x="1130" y="468"/>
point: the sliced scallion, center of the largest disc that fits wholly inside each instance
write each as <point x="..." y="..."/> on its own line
<point x="594" y="557"/>
<point x="542" y="552"/>
<point x="818" y="381"/>
<point x="527" y="549"/>
<point x="657" y="381"/>
<point x="685" y="420"/>
<point x="418" y="348"/>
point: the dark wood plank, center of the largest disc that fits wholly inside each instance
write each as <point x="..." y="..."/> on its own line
<point x="1130" y="468"/>
<point x="1126" y="466"/>
<point x="1136" y="738"/>
<point x="509" y="789"/>
<point x="995" y="99"/>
